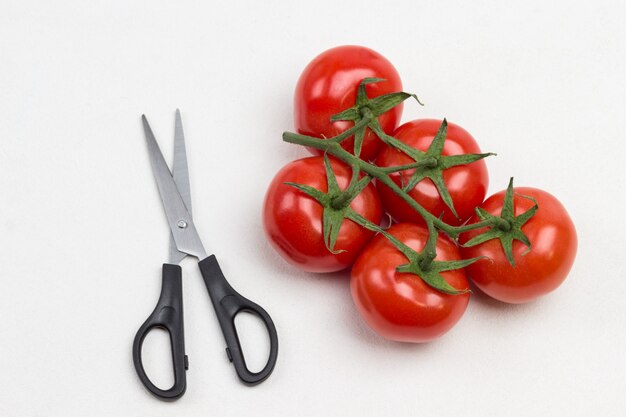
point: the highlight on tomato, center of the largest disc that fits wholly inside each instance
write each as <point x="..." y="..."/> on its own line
<point x="328" y="86"/>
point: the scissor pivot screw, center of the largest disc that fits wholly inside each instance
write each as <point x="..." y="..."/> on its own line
<point x="182" y="224"/>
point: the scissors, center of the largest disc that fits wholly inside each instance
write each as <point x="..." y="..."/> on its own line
<point x="184" y="240"/>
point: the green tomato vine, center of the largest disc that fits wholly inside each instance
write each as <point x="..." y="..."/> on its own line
<point x="429" y="164"/>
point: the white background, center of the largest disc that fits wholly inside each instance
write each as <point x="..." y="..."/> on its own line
<point x="82" y="233"/>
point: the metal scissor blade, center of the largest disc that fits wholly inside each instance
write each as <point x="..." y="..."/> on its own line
<point x="181" y="178"/>
<point x="178" y="217"/>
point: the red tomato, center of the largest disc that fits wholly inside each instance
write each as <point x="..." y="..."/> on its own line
<point x="400" y="306"/>
<point x="328" y="85"/>
<point x="553" y="238"/>
<point x="467" y="184"/>
<point x="293" y="220"/>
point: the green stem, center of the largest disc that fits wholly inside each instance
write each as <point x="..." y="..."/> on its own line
<point x="309" y="141"/>
<point x="428" y="162"/>
<point x="356" y="171"/>
<point x="334" y="149"/>
<point x="393" y="142"/>
<point x="346" y="197"/>
<point x="473" y="226"/>
<point x="429" y="253"/>
<point x="427" y="260"/>
<point x="361" y="124"/>
<point x="410" y="254"/>
<point x="426" y="215"/>
<point x="493" y="222"/>
<point x="502" y="224"/>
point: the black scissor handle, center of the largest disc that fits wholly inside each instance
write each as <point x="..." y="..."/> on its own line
<point x="227" y="304"/>
<point x="167" y="315"/>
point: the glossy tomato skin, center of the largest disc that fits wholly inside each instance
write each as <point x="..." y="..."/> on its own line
<point x="554" y="243"/>
<point x="401" y="306"/>
<point x="293" y="220"/>
<point x="328" y="85"/>
<point x="467" y="184"/>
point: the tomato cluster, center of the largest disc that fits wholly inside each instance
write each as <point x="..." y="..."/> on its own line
<point x="409" y="281"/>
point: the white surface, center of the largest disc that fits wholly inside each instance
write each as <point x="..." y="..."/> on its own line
<point x="82" y="234"/>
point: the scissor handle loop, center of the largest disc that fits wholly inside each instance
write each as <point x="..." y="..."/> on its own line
<point x="167" y="315"/>
<point x="227" y="304"/>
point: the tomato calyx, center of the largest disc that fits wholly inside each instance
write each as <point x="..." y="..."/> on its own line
<point x="432" y="163"/>
<point x="369" y="109"/>
<point x="507" y="227"/>
<point x="421" y="264"/>
<point x="336" y="203"/>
